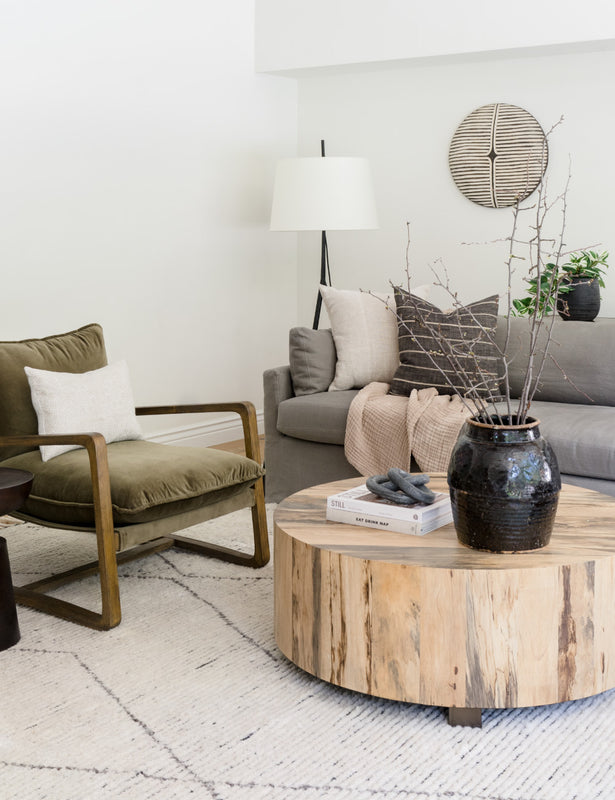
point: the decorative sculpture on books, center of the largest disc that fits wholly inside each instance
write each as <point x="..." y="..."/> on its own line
<point x="401" y="487"/>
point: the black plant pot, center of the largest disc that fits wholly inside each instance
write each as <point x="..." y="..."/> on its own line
<point x="504" y="483"/>
<point x="582" y="302"/>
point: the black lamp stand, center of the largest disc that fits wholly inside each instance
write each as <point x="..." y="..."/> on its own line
<point x="325" y="272"/>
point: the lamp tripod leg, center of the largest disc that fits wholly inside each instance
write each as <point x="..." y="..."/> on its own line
<point x="325" y="277"/>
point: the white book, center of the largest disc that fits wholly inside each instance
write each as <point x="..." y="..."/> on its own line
<point x="361" y="501"/>
<point x="389" y="523"/>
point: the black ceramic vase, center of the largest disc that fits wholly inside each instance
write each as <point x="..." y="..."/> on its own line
<point x="582" y="302"/>
<point x="504" y="483"/>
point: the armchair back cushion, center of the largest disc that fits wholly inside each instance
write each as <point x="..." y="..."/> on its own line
<point x="81" y="350"/>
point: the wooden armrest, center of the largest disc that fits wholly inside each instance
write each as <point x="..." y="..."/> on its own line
<point x="244" y="408"/>
<point x="87" y="440"/>
<point x="96" y="447"/>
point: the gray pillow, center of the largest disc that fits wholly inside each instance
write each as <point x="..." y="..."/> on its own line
<point x="312" y="360"/>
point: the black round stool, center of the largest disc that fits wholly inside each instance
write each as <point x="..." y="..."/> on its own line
<point x="15" y="485"/>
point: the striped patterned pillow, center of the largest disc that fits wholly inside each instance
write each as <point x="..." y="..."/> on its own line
<point x="459" y="343"/>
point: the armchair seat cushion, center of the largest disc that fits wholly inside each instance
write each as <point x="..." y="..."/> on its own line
<point x="148" y="481"/>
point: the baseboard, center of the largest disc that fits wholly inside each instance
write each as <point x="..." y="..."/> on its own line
<point x="206" y="434"/>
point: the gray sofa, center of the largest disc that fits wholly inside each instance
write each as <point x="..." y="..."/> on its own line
<point x="305" y="424"/>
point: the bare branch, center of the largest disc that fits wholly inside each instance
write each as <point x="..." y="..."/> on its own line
<point x="543" y="254"/>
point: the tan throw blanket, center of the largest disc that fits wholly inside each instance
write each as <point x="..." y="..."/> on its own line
<point x="385" y="431"/>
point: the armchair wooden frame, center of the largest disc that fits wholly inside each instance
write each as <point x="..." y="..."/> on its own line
<point x="33" y="594"/>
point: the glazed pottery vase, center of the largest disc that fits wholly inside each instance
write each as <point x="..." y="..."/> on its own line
<point x="504" y="483"/>
<point x="582" y="302"/>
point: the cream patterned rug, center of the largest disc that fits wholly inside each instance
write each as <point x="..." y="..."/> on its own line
<point x="5" y="521"/>
<point x="190" y="698"/>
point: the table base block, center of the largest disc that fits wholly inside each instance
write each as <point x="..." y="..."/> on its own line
<point x="470" y="717"/>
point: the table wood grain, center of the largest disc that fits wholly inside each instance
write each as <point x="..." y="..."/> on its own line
<point x="424" y="619"/>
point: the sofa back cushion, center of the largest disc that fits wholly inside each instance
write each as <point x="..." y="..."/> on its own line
<point x="81" y="350"/>
<point x="452" y="351"/>
<point x="364" y="328"/>
<point x="311" y="359"/>
<point x="580" y="366"/>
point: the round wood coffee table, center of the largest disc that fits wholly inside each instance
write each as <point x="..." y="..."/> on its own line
<point x="424" y="619"/>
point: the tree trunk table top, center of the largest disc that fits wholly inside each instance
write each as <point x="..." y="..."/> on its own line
<point x="424" y="619"/>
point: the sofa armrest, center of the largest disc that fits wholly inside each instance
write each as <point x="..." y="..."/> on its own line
<point x="278" y="386"/>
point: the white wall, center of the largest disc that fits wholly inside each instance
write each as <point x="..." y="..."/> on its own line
<point x="392" y="80"/>
<point x="137" y="152"/>
<point x="403" y="119"/>
<point x="295" y="34"/>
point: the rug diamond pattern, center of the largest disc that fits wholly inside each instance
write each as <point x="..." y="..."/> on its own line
<point x="190" y="697"/>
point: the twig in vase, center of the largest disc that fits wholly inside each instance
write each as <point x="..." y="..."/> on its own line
<point x="473" y="383"/>
<point x="537" y="320"/>
<point x="482" y="388"/>
<point x="474" y="398"/>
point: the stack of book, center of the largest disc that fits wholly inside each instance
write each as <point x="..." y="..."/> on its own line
<point x="359" y="506"/>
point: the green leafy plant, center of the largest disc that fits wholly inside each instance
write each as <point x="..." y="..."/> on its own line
<point x="586" y="264"/>
<point x="542" y="292"/>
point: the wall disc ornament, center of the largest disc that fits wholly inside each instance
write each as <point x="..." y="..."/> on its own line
<point x="498" y="155"/>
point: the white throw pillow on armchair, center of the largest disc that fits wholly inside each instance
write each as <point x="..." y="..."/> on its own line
<point x="99" y="401"/>
<point x="364" y="328"/>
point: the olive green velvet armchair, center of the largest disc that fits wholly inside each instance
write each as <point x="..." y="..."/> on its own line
<point x="134" y="495"/>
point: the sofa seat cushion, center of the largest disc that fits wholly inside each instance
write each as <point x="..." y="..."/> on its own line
<point x="582" y="436"/>
<point x="148" y="481"/>
<point x="316" y="417"/>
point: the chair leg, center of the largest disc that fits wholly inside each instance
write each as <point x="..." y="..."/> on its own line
<point x="247" y="414"/>
<point x="258" y="558"/>
<point x="33" y="596"/>
<point x="105" y="537"/>
<point x="259" y="526"/>
<point x="110" y="614"/>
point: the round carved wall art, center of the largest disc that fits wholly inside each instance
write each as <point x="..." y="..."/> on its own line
<point x="498" y="155"/>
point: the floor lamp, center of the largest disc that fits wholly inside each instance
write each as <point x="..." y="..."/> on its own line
<point x="323" y="194"/>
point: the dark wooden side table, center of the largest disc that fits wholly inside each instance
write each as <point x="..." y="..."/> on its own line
<point x="15" y="485"/>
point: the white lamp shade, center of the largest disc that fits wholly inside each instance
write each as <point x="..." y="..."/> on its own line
<point x="323" y="194"/>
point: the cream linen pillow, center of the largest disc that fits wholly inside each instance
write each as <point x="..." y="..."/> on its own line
<point x="364" y="329"/>
<point x="99" y="401"/>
